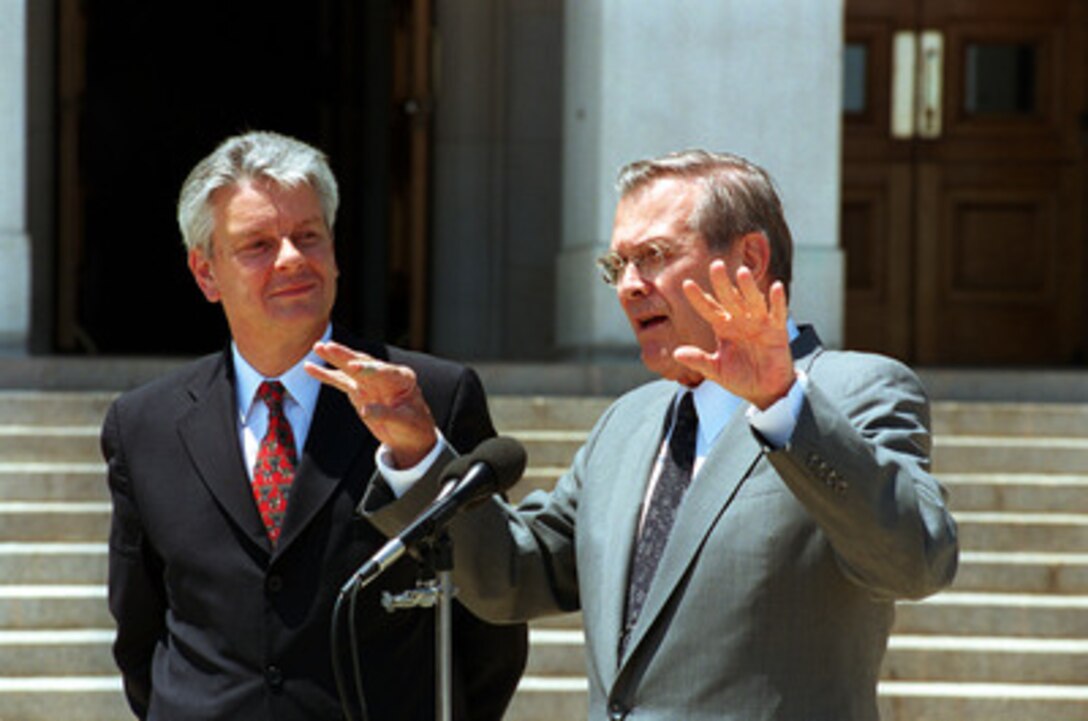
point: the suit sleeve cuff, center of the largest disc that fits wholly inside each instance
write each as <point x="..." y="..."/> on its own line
<point x="777" y="423"/>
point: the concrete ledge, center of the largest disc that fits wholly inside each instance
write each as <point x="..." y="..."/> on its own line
<point x="600" y="378"/>
<point x="1055" y="385"/>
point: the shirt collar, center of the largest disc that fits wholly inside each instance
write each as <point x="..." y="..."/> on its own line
<point x="715" y="405"/>
<point x="300" y="385"/>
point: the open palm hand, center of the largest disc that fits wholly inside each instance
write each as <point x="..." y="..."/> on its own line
<point x="752" y="359"/>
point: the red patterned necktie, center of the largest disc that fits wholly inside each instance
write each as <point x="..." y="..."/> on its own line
<point x="276" y="461"/>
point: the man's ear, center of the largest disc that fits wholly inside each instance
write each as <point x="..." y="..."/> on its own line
<point x="756" y="250"/>
<point x="202" y="271"/>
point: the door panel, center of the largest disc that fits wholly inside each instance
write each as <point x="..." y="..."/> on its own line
<point x="977" y="215"/>
<point x="876" y="229"/>
<point x="997" y="256"/>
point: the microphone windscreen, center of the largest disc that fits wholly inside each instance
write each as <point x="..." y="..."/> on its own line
<point x="457" y="468"/>
<point x="505" y="456"/>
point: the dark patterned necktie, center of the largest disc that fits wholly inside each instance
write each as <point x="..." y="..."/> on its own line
<point x="276" y="462"/>
<point x="661" y="513"/>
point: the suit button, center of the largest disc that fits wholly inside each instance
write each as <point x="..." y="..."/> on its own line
<point x="616" y="712"/>
<point x="273" y="676"/>
<point x="274" y="583"/>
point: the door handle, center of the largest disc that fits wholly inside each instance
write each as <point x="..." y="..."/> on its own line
<point x="931" y="90"/>
<point x="904" y="86"/>
<point x="917" y="84"/>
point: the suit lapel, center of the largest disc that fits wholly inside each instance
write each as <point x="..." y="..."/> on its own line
<point x="336" y="438"/>
<point x="210" y="434"/>
<point x="620" y="500"/>
<point x="712" y="490"/>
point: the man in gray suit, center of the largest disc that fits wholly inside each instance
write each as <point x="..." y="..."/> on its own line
<point x="736" y="555"/>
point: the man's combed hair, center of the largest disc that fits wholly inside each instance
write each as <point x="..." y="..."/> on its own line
<point x="257" y="155"/>
<point x="739" y="198"/>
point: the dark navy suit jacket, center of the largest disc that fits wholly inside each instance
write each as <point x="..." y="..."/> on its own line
<point x="215" y="623"/>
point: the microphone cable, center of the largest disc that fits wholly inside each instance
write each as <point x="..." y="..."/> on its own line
<point x="346" y="706"/>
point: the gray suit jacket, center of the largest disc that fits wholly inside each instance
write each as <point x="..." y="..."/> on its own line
<point x="775" y="595"/>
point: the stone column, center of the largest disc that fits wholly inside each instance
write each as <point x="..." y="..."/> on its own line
<point x="760" y="78"/>
<point x="14" y="239"/>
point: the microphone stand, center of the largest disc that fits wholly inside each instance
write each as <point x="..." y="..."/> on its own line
<point x="435" y="588"/>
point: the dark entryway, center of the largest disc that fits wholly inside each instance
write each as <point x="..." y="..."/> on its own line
<point x="146" y="89"/>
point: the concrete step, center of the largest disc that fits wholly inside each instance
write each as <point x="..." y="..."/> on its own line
<point x="986" y="659"/>
<point x="1016" y="491"/>
<point x="550" y="448"/>
<point x="53" y="481"/>
<point x="1022" y="572"/>
<point x="565" y="699"/>
<point x="45" y="521"/>
<point x="56" y="697"/>
<point x="49" y="444"/>
<point x="1010" y="419"/>
<point x="549" y="698"/>
<point x="561" y="652"/>
<point x="529" y="411"/>
<point x="1032" y="492"/>
<point x="1025" y="615"/>
<point x="1036" y="532"/>
<point x="1007" y="454"/>
<point x="512" y="413"/>
<point x="961" y="613"/>
<point x="951" y="454"/>
<point x="518" y="413"/>
<point x="542" y="698"/>
<point x="23" y="563"/>
<point x="535" y="478"/>
<point x="935" y="701"/>
<point x="53" y="652"/>
<point x="53" y="606"/>
<point x="29" y="407"/>
<point x="1011" y="572"/>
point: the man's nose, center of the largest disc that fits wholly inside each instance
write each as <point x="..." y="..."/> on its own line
<point x="630" y="282"/>
<point x="288" y="252"/>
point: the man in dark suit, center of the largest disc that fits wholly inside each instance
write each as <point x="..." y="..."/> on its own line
<point x="735" y="534"/>
<point x="235" y="480"/>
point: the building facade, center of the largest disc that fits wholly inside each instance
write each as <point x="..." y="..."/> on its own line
<point x="477" y="143"/>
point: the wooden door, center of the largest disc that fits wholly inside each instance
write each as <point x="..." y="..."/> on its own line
<point x="963" y="180"/>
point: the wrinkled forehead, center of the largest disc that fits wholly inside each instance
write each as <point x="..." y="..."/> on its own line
<point x="658" y="212"/>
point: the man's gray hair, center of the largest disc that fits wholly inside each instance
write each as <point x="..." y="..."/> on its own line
<point x="257" y="155"/>
<point x="739" y="198"/>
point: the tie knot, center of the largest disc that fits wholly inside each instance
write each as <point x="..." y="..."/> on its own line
<point x="271" y="392"/>
<point x="682" y="441"/>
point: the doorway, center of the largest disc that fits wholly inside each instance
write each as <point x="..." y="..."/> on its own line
<point x="147" y="89"/>
<point x="963" y="181"/>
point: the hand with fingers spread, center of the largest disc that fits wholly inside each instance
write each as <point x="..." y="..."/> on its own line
<point x="386" y="397"/>
<point x="752" y="359"/>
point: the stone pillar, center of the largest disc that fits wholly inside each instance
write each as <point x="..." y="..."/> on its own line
<point x="497" y="178"/>
<point x="760" y="78"/>
<point x="14" y="239"/>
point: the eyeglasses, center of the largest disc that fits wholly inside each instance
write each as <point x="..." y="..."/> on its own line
<point x="649" y="260"/>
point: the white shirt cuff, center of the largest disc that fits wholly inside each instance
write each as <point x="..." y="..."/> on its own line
<point x="401" y="479"/>
<point x="778" y="422"/>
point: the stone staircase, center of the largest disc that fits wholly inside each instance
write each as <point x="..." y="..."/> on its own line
<point x="1008" y="641"/>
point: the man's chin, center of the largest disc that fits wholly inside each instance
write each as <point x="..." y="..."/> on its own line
<point x="659" y="360"/>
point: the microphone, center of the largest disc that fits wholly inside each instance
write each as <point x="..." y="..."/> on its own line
<point x="493" y="467"/>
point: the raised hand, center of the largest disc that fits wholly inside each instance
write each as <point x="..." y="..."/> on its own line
<point x="386" y="397"/>
<point x="752" y="359"/>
